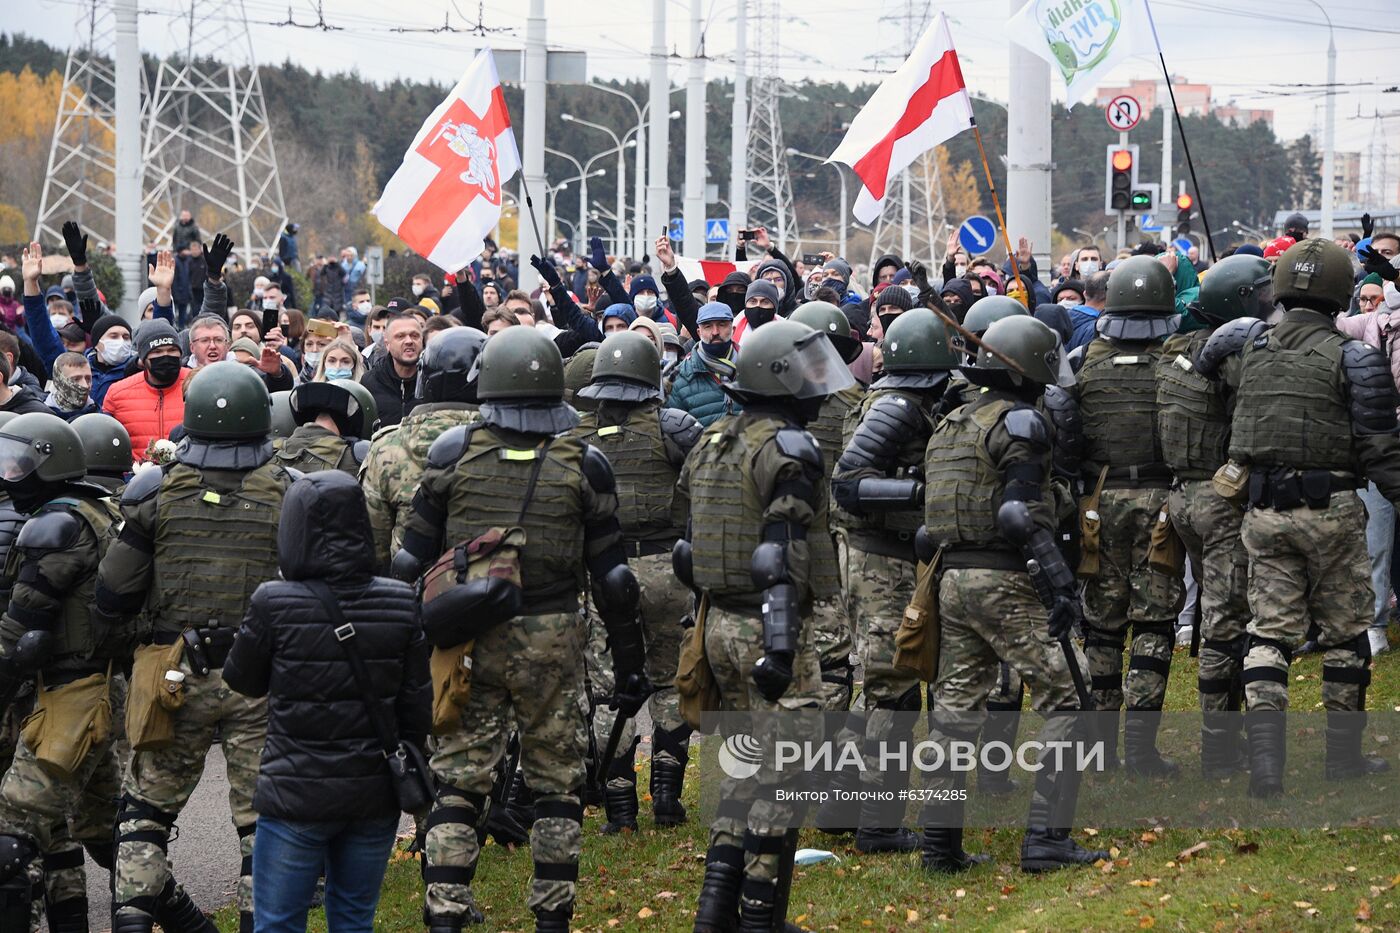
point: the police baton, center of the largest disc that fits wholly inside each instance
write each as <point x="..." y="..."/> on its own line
<point x="1042" y="587"/>
<point x="615" y="736"/>
<point x="977" y="341"/>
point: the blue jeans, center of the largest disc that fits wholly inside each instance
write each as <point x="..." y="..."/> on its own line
<point x="288" y="857"/>
<point x="1380" y="540"/>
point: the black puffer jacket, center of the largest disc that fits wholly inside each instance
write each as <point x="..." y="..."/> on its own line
<point x="322" y="760"/>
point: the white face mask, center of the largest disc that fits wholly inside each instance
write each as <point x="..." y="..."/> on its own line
<point x="671" y="356"/>
<point x="312" y="357"/>
<point x="1069" y="302"/>
<point x="58" y="321"/>
<point x="269" y="304"/>
<point x="114" y="350"/>
<point x="376" y="336"/>
<point x="418" y="290"/>
<point x="257" y="293"/>
<point x="960" y="269"/>
<point x="1088" y="267"/>
<point x="364" y="307"/>
<point x="644" y="303"/>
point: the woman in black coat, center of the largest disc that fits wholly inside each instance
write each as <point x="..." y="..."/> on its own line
<point x="324" y="797"/>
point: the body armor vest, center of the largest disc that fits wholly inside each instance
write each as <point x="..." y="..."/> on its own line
<point x="488" y="490"/>
<point x="1118" y="405"/>
<point x="646" y="480"/>
<point x="1191" y="417"/>
<point x="964" y="486"/>
<point x="1292" y="409"/>
<point x="908" y="462"/>
<point x="311" y="453"/>
<point x="829" y="427"/>
<point x="726" y="513"/>
<point x="213" y="547"/>
<point x="11" y="521"/>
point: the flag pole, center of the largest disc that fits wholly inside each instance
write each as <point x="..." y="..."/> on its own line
<point x="530" y="206"/>
<point x="1185" y="145"/>
<point x="996" y="202"/>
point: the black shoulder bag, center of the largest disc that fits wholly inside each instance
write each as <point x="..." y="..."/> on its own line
<point x="413" y="781"/>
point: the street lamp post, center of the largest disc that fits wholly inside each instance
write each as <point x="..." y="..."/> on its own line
<point x="1329" y="128"/>
<point x="619" y="145"/>
<point x="640" y="170"/>
<point x="839" y="174"/>
<point x="582" y="228"/>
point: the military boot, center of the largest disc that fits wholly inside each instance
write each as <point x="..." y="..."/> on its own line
<point x="245" y="921"/>
<point x="1140" y="755"/>
<point x="554" y="921"/>
<point x="1047" y="845"/>
<point x="668" y="775"/>
<point x="177" y="913"/>
<point x="1344" y="758"/>
<point x="437" y="924"/>
<point x="758" y="913"/>
<point x="1268" y="748"/>
<point x="881" y="828"/>
<point x="67" y="916"/>
<point x="943" y="851"/>
<point x="834" y="816"/>
<point x="131" y="921"/>
<point x="1106" y="734"/>
<point x="620" y="794"/>
<point x="1003" y="720"/>
<point x="1222" y="752"/>
<point x="718" y="908"/>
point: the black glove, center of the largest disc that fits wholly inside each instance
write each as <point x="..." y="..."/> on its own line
<point x="631" y="693"/>
<point x="1381" y="266"/>
<point x="918" y="274"/>
<point x="596" y="257"/>
<point x="1368" y="226"/>
<point x="76" y="241"/>
<point x="772" y="674"/>
<point x="1063" y="614"/>
<point x="547" y="271"/>
<point x="217" y="254"/>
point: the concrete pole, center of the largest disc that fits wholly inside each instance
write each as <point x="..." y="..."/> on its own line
<point x="906" y="216"/>
<point x="1167" y="139"/>
<point x="739" y="134"/>
<point x="658" y="187"/>
<point x="131" y="251"/>
<point x="1330" y="138"/>
<point x="1028" y="151"/>
<point x="639" y="194"/>
<point x="532" y="176"/>
<point x="620" y="236"/>
<point x="845" y="209"/>
<point x="693" y="210"/>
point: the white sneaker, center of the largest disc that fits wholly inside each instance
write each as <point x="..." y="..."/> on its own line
<point x="1183" y="636"/>
<point x="1379" y="644"/>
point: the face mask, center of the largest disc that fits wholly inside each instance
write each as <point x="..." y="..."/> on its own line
<point x="114" y="350"/>
<point x="780" y="286"/>
<point x="1088" y="267"/>
<point x="269" y="304"/>
<point x="717" y="349"/>
<point x="418" y="290"/>
<point x="67" y="394"/>
<point x="886" y="320"/>
<point x="312" y="357"/>
<point x="364" y="307"/>
<point x="671" y="357"/>
<point x="1069" y="303"/>
<point x="811" y="290"/>
<point x="960" y="269"/>
<point x="58" y="321"/>
<point x="333" y="374"/>
<point x="257" y="293"/>
<point x="759" y="316"/>
<point x="836" y="285"/>
<point x="376" y="336"/>
<point x="163" y="370"/>
<point x="644" y="303"/>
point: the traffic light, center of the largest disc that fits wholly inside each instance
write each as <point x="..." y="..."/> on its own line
<point x="1142" y="201"/>
<point x="1121" y="173"/>
<point x="1184" y="203"/>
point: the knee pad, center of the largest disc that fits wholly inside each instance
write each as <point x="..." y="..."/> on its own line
<point x="1102" y="638"/>
<point x="907" y="702"/>
<point x="1233" y="648"/>
<point x="1258" y="641"/>
<point x="129" y="809"/>
<point x="16" y="852"/>
<point x="1165" y="629"/>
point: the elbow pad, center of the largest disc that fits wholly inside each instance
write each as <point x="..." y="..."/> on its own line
<point x="1371" y="388"/>
<point x="682" y="563"/>
<point x="618" y="594"/>
<point x="405" y="566"/>
<point x="469" y="610"/>
<point x="875" y="494"/>
<point x="768" y="565"/>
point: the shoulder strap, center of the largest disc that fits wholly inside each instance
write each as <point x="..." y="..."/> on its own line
<point x="542" y="452"/>
<point x="345" y="634"/>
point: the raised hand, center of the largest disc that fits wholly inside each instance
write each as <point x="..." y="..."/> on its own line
<point x="665" y="254"/>
<point x="1023" y="251"/>
<point x="1368" y="226"/>
<point x="1381" y="266"/>
<point x="761" y="238"/>
<point x="217" y="254"/>
<point x="162" y="274"/>
<point x="547" y="271"/>
<point x="32" y="260"/>
<point x="596" y="257"/>
<point x="77" y="242"/>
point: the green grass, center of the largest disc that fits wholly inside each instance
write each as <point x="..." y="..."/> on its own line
<point x="1242" y="879"/>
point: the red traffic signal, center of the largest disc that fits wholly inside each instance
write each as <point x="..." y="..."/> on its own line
<point x="1184" y="202"/>
<point x="1122" y="160"/>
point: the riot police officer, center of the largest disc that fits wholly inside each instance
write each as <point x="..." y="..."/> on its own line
<point x="1314" y="419"/>
<point x="106" y="449"/>
<point x="757" y="554"/>
<point x="646" y="444"/>
<point x="333" y="420"/>
<point x="1195" y="400"/>
<point x="199" y="535"/>
<point x="516" y="468"/>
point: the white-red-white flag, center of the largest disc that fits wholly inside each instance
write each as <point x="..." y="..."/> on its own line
<point x="446" y="196"/>
<point x="919" y="106"/>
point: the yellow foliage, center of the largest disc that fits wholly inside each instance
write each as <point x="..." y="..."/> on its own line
<point x="961" y="198"/>
<point x="28" y="104"/>
<point x="14" y="227"/>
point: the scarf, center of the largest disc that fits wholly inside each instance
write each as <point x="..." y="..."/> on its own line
<point x="67" y="394"/>
<point x="721" y="367"/>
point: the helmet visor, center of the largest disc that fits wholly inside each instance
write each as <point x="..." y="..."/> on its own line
<point x="19" y="457"/>
<point x="1058" y="362"/>
<point x="813" y="369"/>
<point x="1264" y="298"/>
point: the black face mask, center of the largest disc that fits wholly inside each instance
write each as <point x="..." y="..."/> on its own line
<point x="808" y="409"/>
<point x="163" y="371"/>
<point x="30" y="493"/>
<point x="734" y="299"/>
<point x="759" y="316"/>
<point x="886" y="320"/>
<point x="718" y="349"/>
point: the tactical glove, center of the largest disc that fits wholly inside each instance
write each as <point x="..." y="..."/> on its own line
<point x="772" y="674"/>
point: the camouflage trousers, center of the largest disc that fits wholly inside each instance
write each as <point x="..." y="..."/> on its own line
<point x="527" y="676"/>
<point x="1308" y="566"/>
<point x="1209" y="526"/>
<point x="664" y="603"/>
<point x="733" y="644"/>
<point x="831" y="636"/>
<point x="1129" y="592"/>
<point x="880" y="588"/>
<point x="159" y="783"/>
<point x="990" y="618"/>
<point x="61" y="815"/>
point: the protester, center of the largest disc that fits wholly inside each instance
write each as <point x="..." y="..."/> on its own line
<point x="393" y="378"/>
<point x="71" y="386"/>
<point x="149" y="403"/>
<point x="111" y="351"/>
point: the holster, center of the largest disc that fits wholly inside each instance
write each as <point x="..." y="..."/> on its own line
<point x="695" y="680"/>
<point x="919" y="636"/>
<point x="67" y="722"/>
<point x="152" y="699"/>
<point x="1089" y="523"/>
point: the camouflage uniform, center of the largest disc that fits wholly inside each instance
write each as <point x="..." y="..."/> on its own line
<point x="312" y="448"/>
<point x="52" y="570"/>
<point x="394" y="464"/>
<point x="11" y="520"/>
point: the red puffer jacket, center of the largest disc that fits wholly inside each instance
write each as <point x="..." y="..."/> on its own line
<point x="146" y="412"/>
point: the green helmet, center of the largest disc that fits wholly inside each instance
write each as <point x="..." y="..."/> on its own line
<point x="786" y="359"/>
<point x="227" y="401"/>
<point x="1032" y="345"/>
<point x="1140" y="284"/>
<point x="106" y="445"/>
<point x="1236" y="286"/>
<point x="7" y="416"/>
<point x="520" y="363"/>
<point x="283" y="424"/>
<point x="348" y="403"/>
<point x="825" y="317"/>
<point x="626" y="368"/>
<point x="916" y="351"/>
<point x="988" y="311"/>
<point x="1315" y="271"/>
<point x="577" y="371"/>
<point x="41" y="444"/>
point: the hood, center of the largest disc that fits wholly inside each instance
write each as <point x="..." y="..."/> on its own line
<point x="324" y="531"/>
<point x="889" y="259"/>
<point x="963" y="290"/>
<point x="1058" y="320"/>
<point x="781" y="266"/>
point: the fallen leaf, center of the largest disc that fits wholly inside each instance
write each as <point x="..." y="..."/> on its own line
<point x="911" y="916"/>
<point x="1091" y="831"/>
<point x="799" y="918"/>
<point x="1363" y="910"/>
<point x="1185" y="855"/>
<point x="1007" y="888"/>
<point x="1113" y="851"/>
<point x="1329" y="887"/>
<point x="1164" y="898"/>
<point x="960" y="892"/>
<point x="1146" y="923"/>
<point x="666" y="895"/>
<point x="614" y="922"/>
<point x="1302" y="905"/>
<point x="1143" y="882"/>
<point x="644" y="913"/>
<point x="1147" y="837"/>
<point x="889" y="908"/>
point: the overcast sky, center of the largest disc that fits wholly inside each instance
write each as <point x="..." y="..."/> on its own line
<point x="1255" y="53"/>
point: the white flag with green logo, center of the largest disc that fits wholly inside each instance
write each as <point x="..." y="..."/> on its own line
<point x="1084" y="39"/>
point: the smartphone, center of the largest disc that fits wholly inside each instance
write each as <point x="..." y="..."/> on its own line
<point x="748" y="235"/>
<point x="813" y="259"/>
<point x="321" y="328"/>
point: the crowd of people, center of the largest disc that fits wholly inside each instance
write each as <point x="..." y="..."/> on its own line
<point x="434" y="555"/>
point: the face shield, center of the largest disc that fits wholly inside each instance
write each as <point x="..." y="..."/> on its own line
<point x="20" y="457"/>
<point x="813" y="369"/>
<point x="1264" y="297"/>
